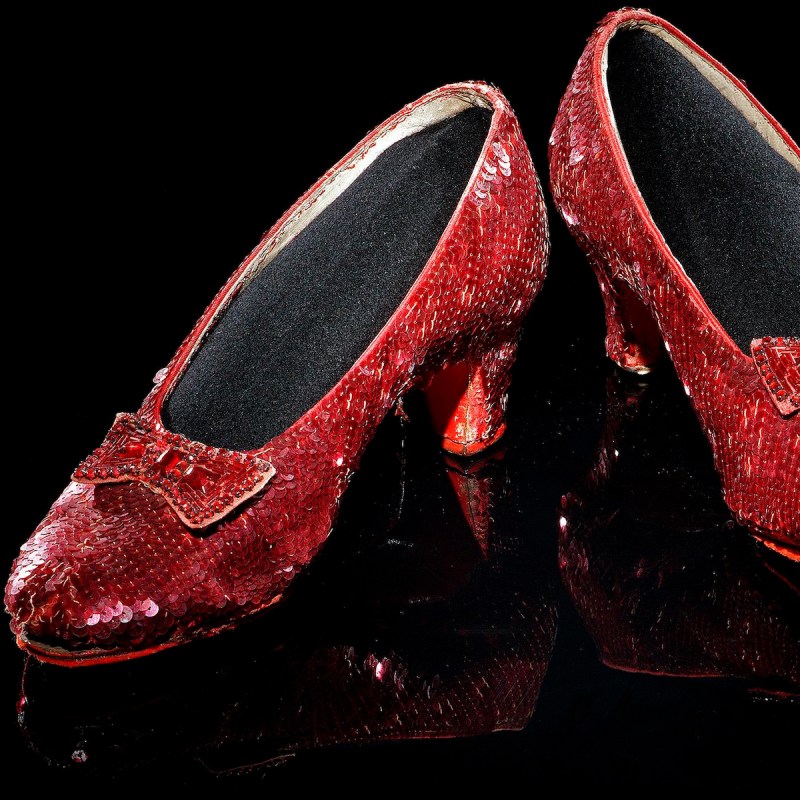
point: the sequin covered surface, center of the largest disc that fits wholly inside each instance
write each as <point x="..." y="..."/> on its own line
<point x="119" y="568"/>
<point x="744" y="410"/>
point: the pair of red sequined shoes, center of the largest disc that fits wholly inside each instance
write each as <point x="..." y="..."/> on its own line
<point x="412" y="263"/>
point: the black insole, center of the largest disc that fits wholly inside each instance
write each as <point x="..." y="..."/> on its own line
<point x="305" y="319"/>
<point x="727" y="203"/>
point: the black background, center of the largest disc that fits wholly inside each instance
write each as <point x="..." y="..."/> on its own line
<point x="146" y="158"/>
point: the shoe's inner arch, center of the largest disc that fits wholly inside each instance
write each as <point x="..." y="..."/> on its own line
<point x="721" y="185"/>
<point x="315" y="306"/>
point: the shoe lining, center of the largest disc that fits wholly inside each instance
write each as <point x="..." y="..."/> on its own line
<point x="307" y="315"/>
<point x="719" y="183"/>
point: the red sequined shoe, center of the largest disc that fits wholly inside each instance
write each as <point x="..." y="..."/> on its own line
<point x="685" y="194"/>
<point x="412" y="263"/>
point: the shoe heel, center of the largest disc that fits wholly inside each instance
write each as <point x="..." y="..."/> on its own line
<point x="633" y="340"/>
<point x="467" y="401"/>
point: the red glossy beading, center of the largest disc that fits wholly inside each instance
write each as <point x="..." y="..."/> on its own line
<point x="202" y="484"/>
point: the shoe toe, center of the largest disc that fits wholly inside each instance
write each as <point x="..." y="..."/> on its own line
<point x="110" y="568"/>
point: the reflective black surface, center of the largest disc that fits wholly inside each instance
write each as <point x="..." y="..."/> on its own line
<point x="576" y="606"/>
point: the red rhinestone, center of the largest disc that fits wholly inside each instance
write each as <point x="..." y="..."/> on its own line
<point x="169" y="459"/>
<point x="199" y="479"/>
<point x="132" y="450"/>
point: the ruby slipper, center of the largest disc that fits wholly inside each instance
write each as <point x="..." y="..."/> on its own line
<point x="685" y="194"/>
<point x="411" y="263"/>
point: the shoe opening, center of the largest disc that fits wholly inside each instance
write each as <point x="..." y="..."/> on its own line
<point x="310" y="312"/>
<point x="720" y="183"/>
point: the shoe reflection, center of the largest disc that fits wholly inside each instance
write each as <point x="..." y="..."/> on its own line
<point x="662" y="578"/>
<point x="428" y="615"/>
